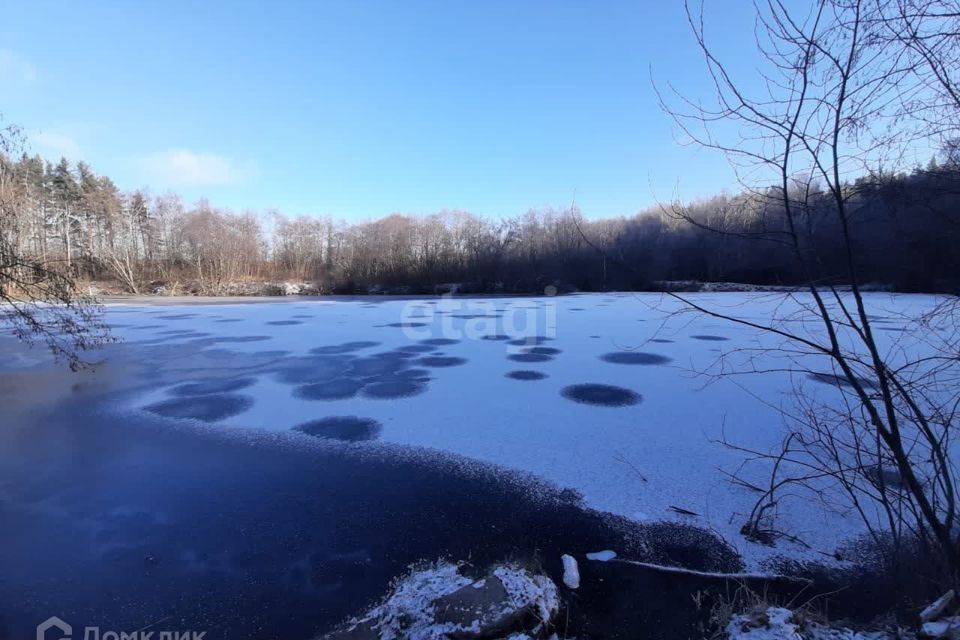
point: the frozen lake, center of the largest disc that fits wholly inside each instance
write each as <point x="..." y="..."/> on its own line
<point x="359" y="435"/>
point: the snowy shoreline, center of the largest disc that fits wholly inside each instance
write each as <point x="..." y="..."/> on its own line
<point x="293" y="290"/>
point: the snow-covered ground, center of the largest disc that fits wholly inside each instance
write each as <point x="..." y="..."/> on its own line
<point x="420" y="373"/>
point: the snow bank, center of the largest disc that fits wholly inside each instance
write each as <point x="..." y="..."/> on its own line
<point x="408" y="609"/>
<point x="528" y="590"/>
<point x="437" y="602"/>
<point x="777" y="623"/>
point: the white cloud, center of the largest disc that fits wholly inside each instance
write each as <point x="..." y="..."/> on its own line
<point x="54" y="145"/>
<point x="186" y="168"/>
<point x="15" y="68"/>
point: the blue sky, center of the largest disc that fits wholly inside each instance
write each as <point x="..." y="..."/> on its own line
<point x="360" y="109"/>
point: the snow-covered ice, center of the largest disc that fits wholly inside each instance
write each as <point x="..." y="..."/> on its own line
<point x="637" y="434"/>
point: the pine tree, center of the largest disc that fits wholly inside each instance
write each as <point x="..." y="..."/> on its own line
<point x="65" y="195"/>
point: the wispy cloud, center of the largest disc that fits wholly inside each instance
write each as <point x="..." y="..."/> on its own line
<point x="53" y="145"/>
<point x="186" y="168"/>
<point x="16" y="68"/>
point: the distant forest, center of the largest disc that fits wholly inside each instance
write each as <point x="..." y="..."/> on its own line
<point x="906" y="228"/>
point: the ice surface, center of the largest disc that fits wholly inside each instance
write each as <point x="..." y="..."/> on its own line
<point x="447" y="382"/>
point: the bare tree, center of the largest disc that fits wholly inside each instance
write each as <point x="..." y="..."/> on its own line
<point x="842" y="97"/>
<point x="39" y="299"/>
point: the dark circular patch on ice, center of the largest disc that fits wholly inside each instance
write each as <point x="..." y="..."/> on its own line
<point x="220" y="354"/>
<point x="182" y="335"/>
<point x="375" y="366"/>
<point x="284" y="323"/>
<point x="239" y="339"/>
<point x="346" y="347"/>
<point x="270" y="354"/>
<point x="661" y="340"/>
<point x="577" y="309"/>
<point x="336" y="389"/>
<point x="204" y="408"/>
<point x="498" y="336"/>
<point x="303" y="316"/>
<point x="212" y="386"/>
<point x="474" y="316"/>
<point x="709" y="338"/>
<point x="543" y="351"/>
<point x="414" y="374"/>
<point x="144" y="327"/>
<point x="529" y="341"/>
<point x="306" y="370"/>
<point x="346" y="428"/>
<point x="397" y="388"/>
<point x="525" y="374"/>
<point x="439" y="341"/>
<point x="360" y="344"/>
<point x="601" y="395"/>
<point x="441" y="361"/>
<point x="840" y="381"/>
<point x="394" y="355"/>
<point x="331" y="349"/>
<point x="634" y="357"/>
<point x="230" y="320"/>
<point x="178" y="316"/>
<point x="530" y="357"/>
<point x="416" y="348"/>
<point x="403" y="325"/>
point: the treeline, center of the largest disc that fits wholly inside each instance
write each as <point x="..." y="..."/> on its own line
<point x="905" y="230"/>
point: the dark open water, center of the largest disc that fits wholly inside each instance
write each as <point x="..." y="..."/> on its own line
<point x="123" y="521"/>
